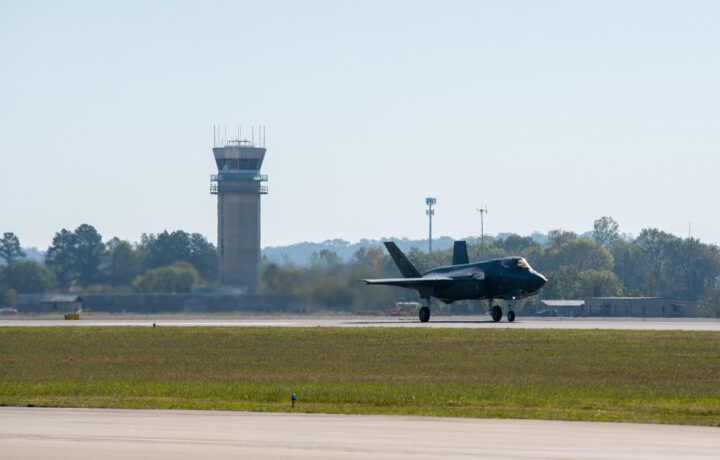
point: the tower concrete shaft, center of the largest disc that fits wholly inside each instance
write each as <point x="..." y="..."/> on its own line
<point x="238" y="186"/>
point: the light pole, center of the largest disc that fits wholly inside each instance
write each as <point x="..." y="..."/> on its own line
<point x="482" y="212"/>
<point x="430" y="201"/>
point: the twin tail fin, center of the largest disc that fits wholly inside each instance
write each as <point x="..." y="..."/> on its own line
<point x="460" y="254"/>
<point x="403" y="264"/>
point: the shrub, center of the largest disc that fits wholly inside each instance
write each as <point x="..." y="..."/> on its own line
<point x="171" y="278"/>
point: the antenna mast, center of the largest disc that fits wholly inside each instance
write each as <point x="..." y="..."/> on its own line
<point x="430" y="201"/>
<point x="482" y="212"/>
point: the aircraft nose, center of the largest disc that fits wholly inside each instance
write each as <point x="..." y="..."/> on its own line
<point x="540" y="280"/>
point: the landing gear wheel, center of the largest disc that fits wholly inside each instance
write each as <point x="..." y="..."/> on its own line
<point x="511" y="316"/>
<point x="424" y="314"/>
<point x="496" y="313"/>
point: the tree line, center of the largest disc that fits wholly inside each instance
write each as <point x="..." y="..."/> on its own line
<point x="80" y="261"/>
<point x="655" y="263"/>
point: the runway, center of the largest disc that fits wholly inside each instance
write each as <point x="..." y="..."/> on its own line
<point x="36" y="433"/>
<point x="304" y="320"/>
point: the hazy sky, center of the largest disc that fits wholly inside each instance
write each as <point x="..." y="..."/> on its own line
<point x="551" y="113"/>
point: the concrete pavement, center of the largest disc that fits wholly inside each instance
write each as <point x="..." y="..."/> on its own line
<point x="35" y="433"/>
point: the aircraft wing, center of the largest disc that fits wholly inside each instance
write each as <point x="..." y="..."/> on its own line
<point x="412" y="283"/>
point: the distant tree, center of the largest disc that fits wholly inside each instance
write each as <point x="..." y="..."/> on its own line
<point x="88" y="254"/>
<point x="60" y="258"/>
<point x="174" y="278"/>
<point x="28" y="277"/>
<point x="10" y="248"/>
<point x="420" y="260"/>
<point x="709" y="305"/>
<point x="566" y="249"/>
<point x="567" y="282"/>
<point x="557" y="238"/>
<point x="515" y="244"/>
<point x="605" y="231"/>
<point x="369" y="256"/>
<point x="76" y="256"/>
<point x="598" y="283"/>
<point x="654" y="245"/>
<point x="125" y="262"/>
<point x="533" y="254"/>
<point x="689" y="267"/>
<point x="326" y="257"/>
<point x="203" y="256"/>
<point x="630" y="265"/>
<point x="165" y="248"/>
<point x="8" y="297"/>
<point x="563" y="283"/>
<point x="179" y="246"/>
<point x="332" y="292"/>
<point x="283" y="279"/>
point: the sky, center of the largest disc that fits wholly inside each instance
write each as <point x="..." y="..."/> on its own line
<point x="552" y="114"/>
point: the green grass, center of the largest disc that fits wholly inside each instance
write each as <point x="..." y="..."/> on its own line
<point x="637" y="376"/>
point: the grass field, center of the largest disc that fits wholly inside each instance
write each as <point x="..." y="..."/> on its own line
<point x="638" y="376"/>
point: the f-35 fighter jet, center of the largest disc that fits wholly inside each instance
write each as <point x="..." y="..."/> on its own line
<point x="509" y="279"/>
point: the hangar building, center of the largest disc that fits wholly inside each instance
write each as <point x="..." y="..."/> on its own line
<point x="641" y="307"/>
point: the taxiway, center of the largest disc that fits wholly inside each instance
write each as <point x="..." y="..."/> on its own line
<point x="37" y="433"/>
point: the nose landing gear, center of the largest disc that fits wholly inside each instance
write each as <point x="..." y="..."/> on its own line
<point x="511" y="313"/>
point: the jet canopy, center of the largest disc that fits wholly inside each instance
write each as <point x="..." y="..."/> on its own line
<point x="518" y="263"/>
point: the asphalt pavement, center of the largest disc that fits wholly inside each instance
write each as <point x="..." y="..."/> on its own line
<point x="304" y="320"/>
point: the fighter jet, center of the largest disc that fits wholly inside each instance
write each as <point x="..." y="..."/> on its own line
<point x="509" y="279"/>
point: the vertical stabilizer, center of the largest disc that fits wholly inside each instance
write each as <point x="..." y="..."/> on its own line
<point x="460" y="255"/>
<point x="403" y="264"/>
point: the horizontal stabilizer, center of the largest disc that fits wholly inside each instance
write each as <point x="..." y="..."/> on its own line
<point x="403" y="264"/>
<point x="460" y="254"/>
<point x="412" y="283"/>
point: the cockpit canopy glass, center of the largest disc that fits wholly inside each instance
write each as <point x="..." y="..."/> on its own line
<point x="516" y="262"/>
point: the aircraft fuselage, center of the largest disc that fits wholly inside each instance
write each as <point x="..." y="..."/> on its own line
<point x="485" y="280"/>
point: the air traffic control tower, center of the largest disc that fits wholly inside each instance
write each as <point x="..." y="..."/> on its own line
<point x="238" y="186"/>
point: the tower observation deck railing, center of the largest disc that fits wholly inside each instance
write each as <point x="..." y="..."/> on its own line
<point x="238" y="175"/>
<point x="219" y="187"/>
<point x="234" y="181"/>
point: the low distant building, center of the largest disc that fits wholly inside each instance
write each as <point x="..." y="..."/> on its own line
<point x="157" y="303"/>
<point x="639" y="307"/>
<point x="61" y="303"/>
<point x="561" y="307"/>
<point x="653" y="307"/>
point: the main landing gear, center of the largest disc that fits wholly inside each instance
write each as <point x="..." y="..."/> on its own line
<point x="425" y="312"/>
<point x="496" y="312"/>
